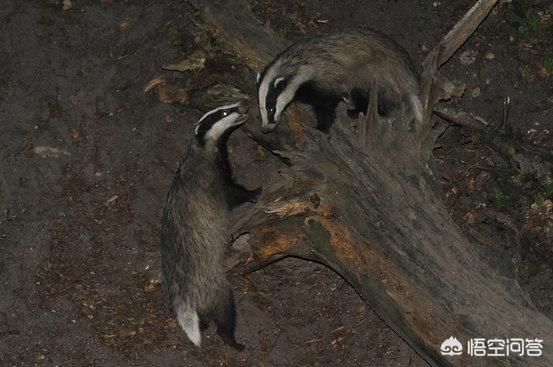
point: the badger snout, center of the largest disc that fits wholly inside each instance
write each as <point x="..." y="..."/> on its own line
<point x="267" y="128"/>
<point x="242" y="107"/>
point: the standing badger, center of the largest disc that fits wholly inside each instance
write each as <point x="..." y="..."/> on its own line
<point x="194" y="230"/>
<point x="328" y="68"/>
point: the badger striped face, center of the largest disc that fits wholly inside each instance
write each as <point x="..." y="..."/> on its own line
<point x="275" y="92"/>
<point x="214" y="124"/>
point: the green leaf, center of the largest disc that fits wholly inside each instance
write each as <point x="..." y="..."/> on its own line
<point x="548" y="63"/>
<point x="529" y="26"/>
<point x="539" y="200"/>
<point x="499" y="198"/>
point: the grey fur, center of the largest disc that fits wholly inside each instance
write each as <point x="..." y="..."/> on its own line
<point x="194" y="233"/>
<point x="338" y="63"/>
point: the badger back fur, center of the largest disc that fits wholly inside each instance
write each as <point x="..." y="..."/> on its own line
<point x="194" y="230"/>
<point x="330" y="67"/>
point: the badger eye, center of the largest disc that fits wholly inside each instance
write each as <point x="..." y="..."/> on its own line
<point x="225" y="113"/>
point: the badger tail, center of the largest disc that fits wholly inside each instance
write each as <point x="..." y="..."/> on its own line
<point x="221" y="310"/>
<point x="416" y="105"/>
<point x="189" y="321"/>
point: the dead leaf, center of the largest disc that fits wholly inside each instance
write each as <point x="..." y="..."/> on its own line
<point x="126" y="332"/>
<point x="471" y="184"/>
<point x="152" y="285"/>
<point x="543" y="72"/>
<point x="546" y="21"/>
<point x="169" y="119"/>
<point x="531" y="134"/>
<point x="76" y="133"/>
<point x="260" y="153"/>
<point x="49" y="152"/>
<point x="337" y="340"/>
<point x="172" y="93"/>
<point x="67" y="5"/>
<point x="470" y="217"/>
<point x="221" y="94"/>
<point x="194" y="62"/>
<point x="478" y="182"/>
<point x="124" y="25"/>
<point x="112" y="200"/>
<point x="154" y="82"/>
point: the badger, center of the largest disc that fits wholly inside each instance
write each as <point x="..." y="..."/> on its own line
<point x="331" y="67"/>
<point x="194" y="228"/>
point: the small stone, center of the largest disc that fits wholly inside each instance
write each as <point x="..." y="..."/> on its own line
<point x="467" y="57"/>
<point x="475" y="92"/>
<point x="489" y="56"/>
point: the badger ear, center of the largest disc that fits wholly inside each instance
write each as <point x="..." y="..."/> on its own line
<point x="278" y="81"/>
<point x="257" y="77"/>
<point x="280" y="84"/>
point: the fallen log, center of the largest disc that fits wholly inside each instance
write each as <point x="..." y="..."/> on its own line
<point x="363" y="201"/>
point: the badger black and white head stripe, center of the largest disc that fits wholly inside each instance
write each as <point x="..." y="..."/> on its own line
<point x="277" y="88"/>
<point x="216" y="122"/>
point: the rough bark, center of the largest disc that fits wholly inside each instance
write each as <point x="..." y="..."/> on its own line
<point x="363" y="201"/>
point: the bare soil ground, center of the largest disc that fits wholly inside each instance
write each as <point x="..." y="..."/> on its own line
<point x="87" y="156"/>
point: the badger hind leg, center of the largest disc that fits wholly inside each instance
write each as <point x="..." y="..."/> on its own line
<point x="190" y="322"/>
<point x="224" y="315"/>
<point x="360" y="99"/>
